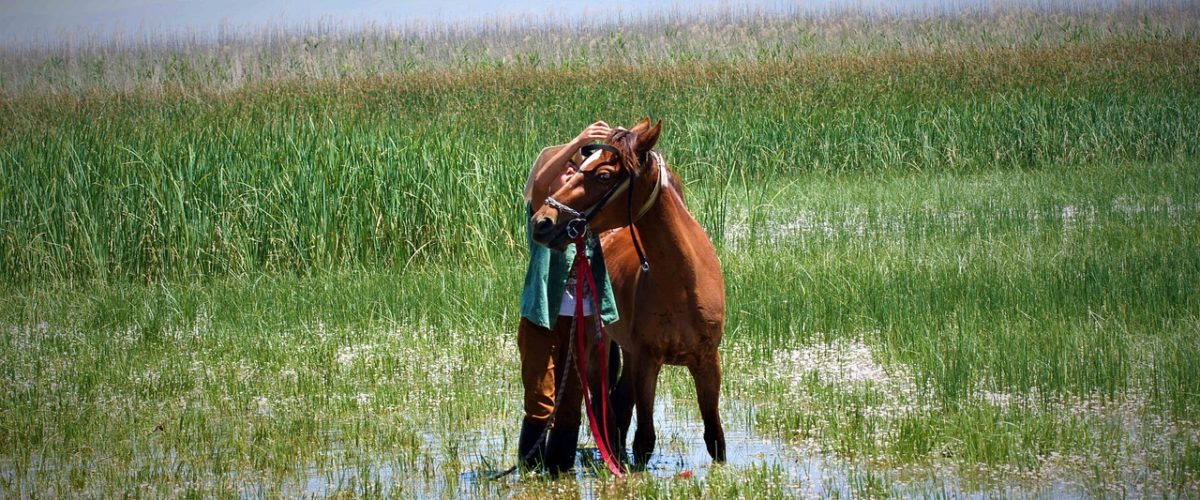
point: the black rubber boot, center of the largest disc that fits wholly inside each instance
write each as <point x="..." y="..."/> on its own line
<point x="531" y="432"/>
<point x="561" y="450"/>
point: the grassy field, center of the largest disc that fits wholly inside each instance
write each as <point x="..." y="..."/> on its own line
<point x="953" y="267"/>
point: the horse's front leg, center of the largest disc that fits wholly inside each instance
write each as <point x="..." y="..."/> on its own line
<point x="615" y="400"/>
<point x="645" y="383"/>
<point x="622" y="403"/>
<point x="620" y="400"/>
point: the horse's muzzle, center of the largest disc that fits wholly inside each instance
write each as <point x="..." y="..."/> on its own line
<point x="549" y="234"/>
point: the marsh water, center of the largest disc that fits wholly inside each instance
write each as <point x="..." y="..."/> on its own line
<point x="680" y="455"/>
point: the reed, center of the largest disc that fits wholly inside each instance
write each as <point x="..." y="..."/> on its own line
<point x="384" y="172"/>
<point x="230" y="58"/>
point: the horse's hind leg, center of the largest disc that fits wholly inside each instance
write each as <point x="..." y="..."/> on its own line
<point x="707" y="376"/>
<point x="645" y="383"/>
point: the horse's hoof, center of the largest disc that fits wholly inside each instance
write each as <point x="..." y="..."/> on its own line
<point x="641" y="456"/>
<point x="717" y="451"/>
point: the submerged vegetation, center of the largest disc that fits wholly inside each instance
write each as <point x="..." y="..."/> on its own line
<point x="957" y="259"/>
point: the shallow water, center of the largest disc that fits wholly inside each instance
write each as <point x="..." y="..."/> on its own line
<point x="680" y="454"/>
<point x="463" y="464"/>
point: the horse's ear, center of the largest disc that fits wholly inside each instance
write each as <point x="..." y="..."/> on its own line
<point x="646" y="140"/>
<point x="641" y="126"/>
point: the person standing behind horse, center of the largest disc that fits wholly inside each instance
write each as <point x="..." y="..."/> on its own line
<point x="547" y="307"/>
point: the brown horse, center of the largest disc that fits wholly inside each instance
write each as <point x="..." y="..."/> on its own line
<point x="671" y="314"/>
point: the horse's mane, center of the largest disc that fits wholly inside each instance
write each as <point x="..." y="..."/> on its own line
<point x="676" y="184"/>
<point x="624" y="141"/>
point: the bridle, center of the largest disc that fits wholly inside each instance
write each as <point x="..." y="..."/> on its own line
<point x="578" y="226"/>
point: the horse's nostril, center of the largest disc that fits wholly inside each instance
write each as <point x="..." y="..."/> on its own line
<point x="542" y="225"/>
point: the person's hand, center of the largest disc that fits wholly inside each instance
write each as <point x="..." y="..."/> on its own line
<point x="595" y="132"/>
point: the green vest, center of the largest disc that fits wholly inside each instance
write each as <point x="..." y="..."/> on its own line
<point x="547" y="277"/>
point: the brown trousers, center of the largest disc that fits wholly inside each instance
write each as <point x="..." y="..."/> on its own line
<point x="543" y="365"/>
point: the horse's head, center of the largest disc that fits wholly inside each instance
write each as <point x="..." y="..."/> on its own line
<point x="600" y="195"/>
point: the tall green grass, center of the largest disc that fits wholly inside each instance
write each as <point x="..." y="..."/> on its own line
<point x="358" y="174"/>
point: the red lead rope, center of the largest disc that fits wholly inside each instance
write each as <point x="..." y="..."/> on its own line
<point x="583" y="276"/>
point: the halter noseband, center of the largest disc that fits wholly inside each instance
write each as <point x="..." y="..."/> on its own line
<point x="577" y="227"/>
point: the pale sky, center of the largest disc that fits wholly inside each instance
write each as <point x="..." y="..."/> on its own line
<point x="53" y="20"/>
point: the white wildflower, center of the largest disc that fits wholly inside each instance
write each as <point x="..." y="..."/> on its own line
<point x="262" y="406"/>
<point x="345" y="356"/>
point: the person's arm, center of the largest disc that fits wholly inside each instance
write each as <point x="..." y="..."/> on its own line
<point x="554" y="166"/>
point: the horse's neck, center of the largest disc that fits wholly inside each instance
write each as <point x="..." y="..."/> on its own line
<point x="671" y="236"/>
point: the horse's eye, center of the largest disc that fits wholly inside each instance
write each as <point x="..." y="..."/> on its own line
<point x="604" y="176"/>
